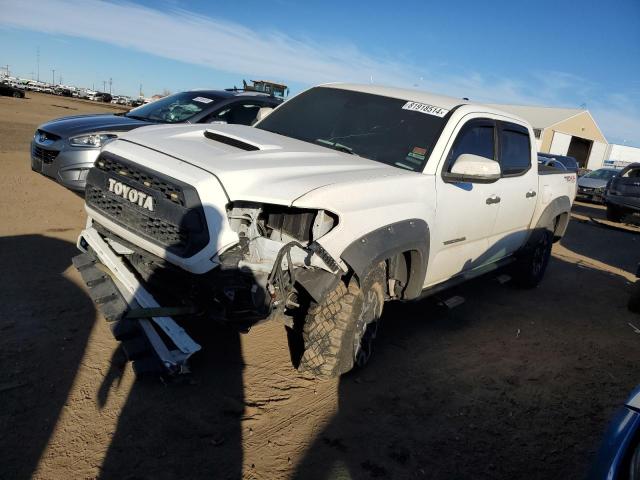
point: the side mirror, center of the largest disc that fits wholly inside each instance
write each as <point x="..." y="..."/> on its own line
<point x="473" y="168"/>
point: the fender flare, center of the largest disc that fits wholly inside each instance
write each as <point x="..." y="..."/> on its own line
<point x="383" y="243"/>
<point x="556" y="208"/>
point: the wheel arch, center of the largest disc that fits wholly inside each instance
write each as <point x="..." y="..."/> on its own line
<point x="555" y="217"/>
<point x="405" y="244"/>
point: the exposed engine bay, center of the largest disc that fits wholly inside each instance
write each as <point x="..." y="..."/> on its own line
<point x="275" y="262"/>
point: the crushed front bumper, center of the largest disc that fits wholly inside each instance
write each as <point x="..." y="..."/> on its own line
<point x="117" y="291"/>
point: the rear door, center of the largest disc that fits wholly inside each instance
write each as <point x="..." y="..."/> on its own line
<point x="517" y="189"/>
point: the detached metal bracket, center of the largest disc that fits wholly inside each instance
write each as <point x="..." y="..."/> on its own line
<point x="140" y="300"/>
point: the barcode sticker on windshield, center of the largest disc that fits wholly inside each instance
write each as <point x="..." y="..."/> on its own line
<point x="425" y="108"/>
<point x="202" y="100"/>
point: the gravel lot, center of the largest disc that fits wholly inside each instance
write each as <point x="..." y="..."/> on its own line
<point x="512" y="384"/>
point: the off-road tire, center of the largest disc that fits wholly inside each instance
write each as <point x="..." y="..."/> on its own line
<point x="532" y="263"/>
<point x="634" y="301"/>
<point x="334" y="328"/>
<point x="614" y="213"/>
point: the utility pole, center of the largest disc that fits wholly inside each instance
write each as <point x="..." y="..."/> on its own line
<point x="53" y="76"/>
<point x="140" y="94"/>
<point x="38" y="62"/>
<point x="7" y="68"/>
<point x="104" y="85"/>
<point x="110" y="82"/>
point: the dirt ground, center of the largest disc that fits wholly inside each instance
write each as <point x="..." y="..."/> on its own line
<point x="511" y="384"/>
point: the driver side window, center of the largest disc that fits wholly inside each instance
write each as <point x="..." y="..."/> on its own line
<point x="239" y="113"/>
<point x="477" y="138"/>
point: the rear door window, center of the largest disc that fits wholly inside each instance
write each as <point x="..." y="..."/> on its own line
<point x="515" y="149"/>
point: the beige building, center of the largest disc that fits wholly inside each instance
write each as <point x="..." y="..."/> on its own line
<point x="565" y="131"/>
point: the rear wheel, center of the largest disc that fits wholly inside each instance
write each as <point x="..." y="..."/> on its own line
<point x="338" y="333"/>
<point x="532" y="263"/>
<point x="614" y="213"/>
<point x="16" y="95"/>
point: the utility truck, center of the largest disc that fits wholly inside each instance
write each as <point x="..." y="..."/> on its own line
<point x="343" y="198"/>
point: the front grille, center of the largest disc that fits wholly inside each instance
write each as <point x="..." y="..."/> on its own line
<point x="46" y="156"/>
<point x="165" y="233"/>
<point x="179" y="225"/>
<point x="170" y="191"/>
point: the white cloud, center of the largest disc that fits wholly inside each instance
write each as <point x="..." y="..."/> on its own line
<point x="230" y="47"/>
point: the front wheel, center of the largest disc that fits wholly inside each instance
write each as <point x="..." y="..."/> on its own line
<point x="614" y="213"/>
<point x="338" y="333"/>
<point x="532" y="263"/>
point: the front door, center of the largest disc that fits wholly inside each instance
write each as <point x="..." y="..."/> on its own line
<point x="465" y="211"/>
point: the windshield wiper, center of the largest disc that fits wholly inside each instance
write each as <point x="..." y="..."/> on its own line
<point x="336" y="146"/>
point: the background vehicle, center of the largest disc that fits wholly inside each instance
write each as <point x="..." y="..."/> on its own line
<point x="11" y="91"/>
<point x="569" y="163"/>
<point x="634" y="301"/>
<point x="65" y="149"/>
<point x="623" y="193"/>
<point x="619" y="455"/>
<point x="592" y="185"/>
<point x="344" y="197"/>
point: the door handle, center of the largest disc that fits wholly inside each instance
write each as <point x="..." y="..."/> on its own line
<point x="493" y="199"/>
<point x="530" y="194"/>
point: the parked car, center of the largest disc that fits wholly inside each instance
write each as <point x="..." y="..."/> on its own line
<point x="558" y="161"/>
<point x="344" y="197"/>
<point x="618" y="457"/>
<point x="592" y="185"/>
<point x="634" y="300"/>
<point x="102" y="97"/>
<point x="623" y="193"/>
<point x="11" y="91"/>
<point x="65" y="149"/>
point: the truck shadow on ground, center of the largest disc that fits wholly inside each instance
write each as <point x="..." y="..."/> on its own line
<point x="188" y="428"/>
<point x="45" y="322"/>
<point x="512" y="384"/>
<point x="615" y="247"/>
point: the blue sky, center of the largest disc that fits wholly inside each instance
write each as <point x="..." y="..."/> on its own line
<point x="557" y="53"/>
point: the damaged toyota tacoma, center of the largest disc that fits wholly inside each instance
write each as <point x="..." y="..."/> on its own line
<point x="344" y="198"/>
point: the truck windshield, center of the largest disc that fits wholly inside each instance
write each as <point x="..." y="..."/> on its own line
<point x="384" y="129"/>
<point x="175" y="108"/>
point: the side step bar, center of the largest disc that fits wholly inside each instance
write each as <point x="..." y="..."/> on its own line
<point x="117" y="292"/>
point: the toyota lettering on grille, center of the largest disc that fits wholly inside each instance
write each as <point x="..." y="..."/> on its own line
<point x="131" y="194"/>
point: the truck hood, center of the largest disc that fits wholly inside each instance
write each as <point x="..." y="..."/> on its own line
<point x="79" y="124"/>
<point x="256" y="165"/>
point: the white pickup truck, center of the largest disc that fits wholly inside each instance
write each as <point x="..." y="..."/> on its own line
<point x="343" y="198"/>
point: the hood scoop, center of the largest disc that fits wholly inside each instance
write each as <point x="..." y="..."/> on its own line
<point x="231" y="141"/>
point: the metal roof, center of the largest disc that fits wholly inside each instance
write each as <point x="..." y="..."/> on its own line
<point x="540" y="117"/>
